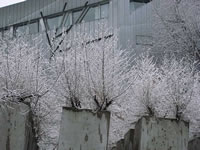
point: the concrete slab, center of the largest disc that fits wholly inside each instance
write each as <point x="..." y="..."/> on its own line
<point x="194" y="144"/>
<point x="128" y="140"/>
<point x="84" y="130"/>
<point x="161" y="134"/>
<point x="120" y="145"/>
<point x="114" y="148"/>
<point x="4" y="125"/>
<point x="16" y="127"/>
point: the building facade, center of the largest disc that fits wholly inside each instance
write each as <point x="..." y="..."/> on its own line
<point x="131" y="18"/>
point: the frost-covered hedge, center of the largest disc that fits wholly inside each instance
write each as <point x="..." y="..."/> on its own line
<point x="96" y="74"/>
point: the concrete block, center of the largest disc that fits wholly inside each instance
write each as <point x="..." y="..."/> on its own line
<point x="194" y="144"/>
<point x="16" y="127"/>
<point x="84" y="130"/>
<point x="114" y="148"/>
<point x="4" y="125"/>
<point x="120" y="145"/>
<point x="128" y="140"/>
<point x="161" y="134"/>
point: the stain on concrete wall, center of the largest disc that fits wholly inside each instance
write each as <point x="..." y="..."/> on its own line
<point x="84" y="130"/>
<point x="16" y="127"/>
<point x="161" y="134"/>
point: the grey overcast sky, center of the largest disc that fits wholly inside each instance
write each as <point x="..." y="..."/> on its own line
<point x="4" y="3"/>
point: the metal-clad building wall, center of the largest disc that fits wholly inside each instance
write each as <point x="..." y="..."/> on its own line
<point x="30" y="10"/>
<point x="134" y="26"/>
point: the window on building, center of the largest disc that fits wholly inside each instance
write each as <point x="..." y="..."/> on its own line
<point x="92" y="14"/>
<point x="76" y="15"/>
<point x="33" y="28"/>
<point x="68" y="20"/>
<point x="54" y="22"/>
<point x="6" y="32"/>
<point x="41" y="25"/>
<point x="104" y="11"/>
<point x="28" y="28"/>
<point x="135" y="4"/>
<point x="97" y="12"/>
<point x="21" y="30"/>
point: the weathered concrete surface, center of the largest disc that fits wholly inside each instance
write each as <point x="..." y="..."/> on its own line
<point x="120" y="145"/>
<point x="194" y="144"/>
<point x="84" y="130"/>
<point x="161" y="134"/>
<point x="16" y="127"/>
<point x="128" y="140"/>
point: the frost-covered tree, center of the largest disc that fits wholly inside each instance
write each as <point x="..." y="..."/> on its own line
<point x="168" y="90"/>
<point x="176" y="28"/>
<point x="169" y="85"/>
<point x="22" y="72"/>
<point x="95" y="70"/>
<point x="91" y="71"/>
<point x="25" y="78"/>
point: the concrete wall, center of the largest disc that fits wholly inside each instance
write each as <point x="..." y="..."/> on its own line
<point x="194" y="144"/>
<point x="114" y="148"/>
<point x="120" y="145"/>
<point x="129" y="140"/>
<point x="161" y="134"/>
<point x="16" y="127"/>
<point x="83" y="130"/>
